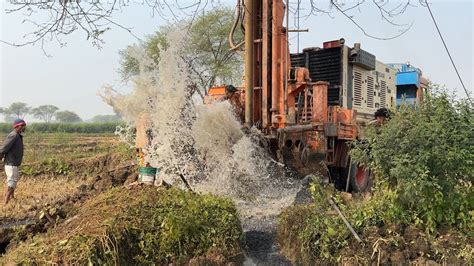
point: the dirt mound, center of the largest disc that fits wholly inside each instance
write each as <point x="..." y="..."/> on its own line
<point x="384" y="245"/>
<point x="45" y="201"/>
<point x="141" y="225"/>
<point x="395" y="245"/>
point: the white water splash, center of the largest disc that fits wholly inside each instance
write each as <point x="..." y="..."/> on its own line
<point x="205" y="143"/>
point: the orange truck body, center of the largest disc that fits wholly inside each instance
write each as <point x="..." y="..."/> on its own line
<point x="290" y="108"/>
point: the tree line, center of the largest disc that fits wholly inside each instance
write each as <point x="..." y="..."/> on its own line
<point x="81" y="128"/>
<point x="49" y="113"/>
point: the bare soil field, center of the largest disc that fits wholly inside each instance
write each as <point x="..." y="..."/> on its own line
<point x="50" y="169"/>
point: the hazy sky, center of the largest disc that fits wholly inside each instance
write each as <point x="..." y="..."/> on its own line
<point x="71" y="78"/>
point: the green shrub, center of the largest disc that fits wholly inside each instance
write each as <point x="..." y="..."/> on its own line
<point x="427" y="157"/>
<point x="315" y="234"/>
<point x="181" y="225"/>
<point x="423" y="160"/>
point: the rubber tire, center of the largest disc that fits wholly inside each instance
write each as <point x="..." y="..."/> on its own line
<point x="360" y="178"/>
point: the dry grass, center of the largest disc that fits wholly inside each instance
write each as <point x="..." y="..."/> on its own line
<point x="34" y="193"/>
<point x="71" y="150"/>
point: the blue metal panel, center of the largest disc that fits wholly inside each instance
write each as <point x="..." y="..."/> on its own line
<point x="406" y="94"/>
<point x="408" y="78"/>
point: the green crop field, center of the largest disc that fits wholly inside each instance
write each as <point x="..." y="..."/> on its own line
<point x="82" y="128"/>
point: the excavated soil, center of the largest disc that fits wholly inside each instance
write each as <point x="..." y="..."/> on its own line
<point x="99" y="173"/>
<point x="394" y="245"/>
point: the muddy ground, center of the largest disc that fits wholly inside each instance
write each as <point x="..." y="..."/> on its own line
<point x="395" y="245"/>
<point x="260" y="231"/>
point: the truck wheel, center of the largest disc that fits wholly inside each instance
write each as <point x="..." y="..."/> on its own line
<point x="360" y="178"/>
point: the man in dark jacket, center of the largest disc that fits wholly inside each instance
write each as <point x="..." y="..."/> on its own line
<point x="11" y="152"/>
<point x="381" y="115"/>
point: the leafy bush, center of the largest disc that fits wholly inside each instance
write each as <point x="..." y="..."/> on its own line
<point x="181" y="225"/>
<point x="106" y="127"/>
<point x="314" y="234"/>
<point x="423" y="159"/>
<point x="427" y="157"/>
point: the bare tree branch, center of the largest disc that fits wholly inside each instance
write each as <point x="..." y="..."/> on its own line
<point x="385" y="8"/>
<point x="364" y="31"/>
<point x="55" y="19"/>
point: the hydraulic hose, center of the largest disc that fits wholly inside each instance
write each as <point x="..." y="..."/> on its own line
<point x="232" y="45"/>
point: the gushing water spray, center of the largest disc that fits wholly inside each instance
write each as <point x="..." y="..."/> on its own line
<point x="204" y="143"/>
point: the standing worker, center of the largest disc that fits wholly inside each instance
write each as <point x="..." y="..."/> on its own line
<point x="11" y="152"/>
<point x="381" y="116"/>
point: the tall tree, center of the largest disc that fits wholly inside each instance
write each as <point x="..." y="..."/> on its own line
<point x="131" y="56"/>
<point x="67" y="117"/>
<point x="17" y="109"/>
<point x="45" y="112"/>
<point x="208" y="53"/>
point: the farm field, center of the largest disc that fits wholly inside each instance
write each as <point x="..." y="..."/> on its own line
<point x="55" y="166"/>
<point x="71" y="177"/>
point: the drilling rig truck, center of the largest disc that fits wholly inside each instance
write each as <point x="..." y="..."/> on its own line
<point x="309" y="105"/>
